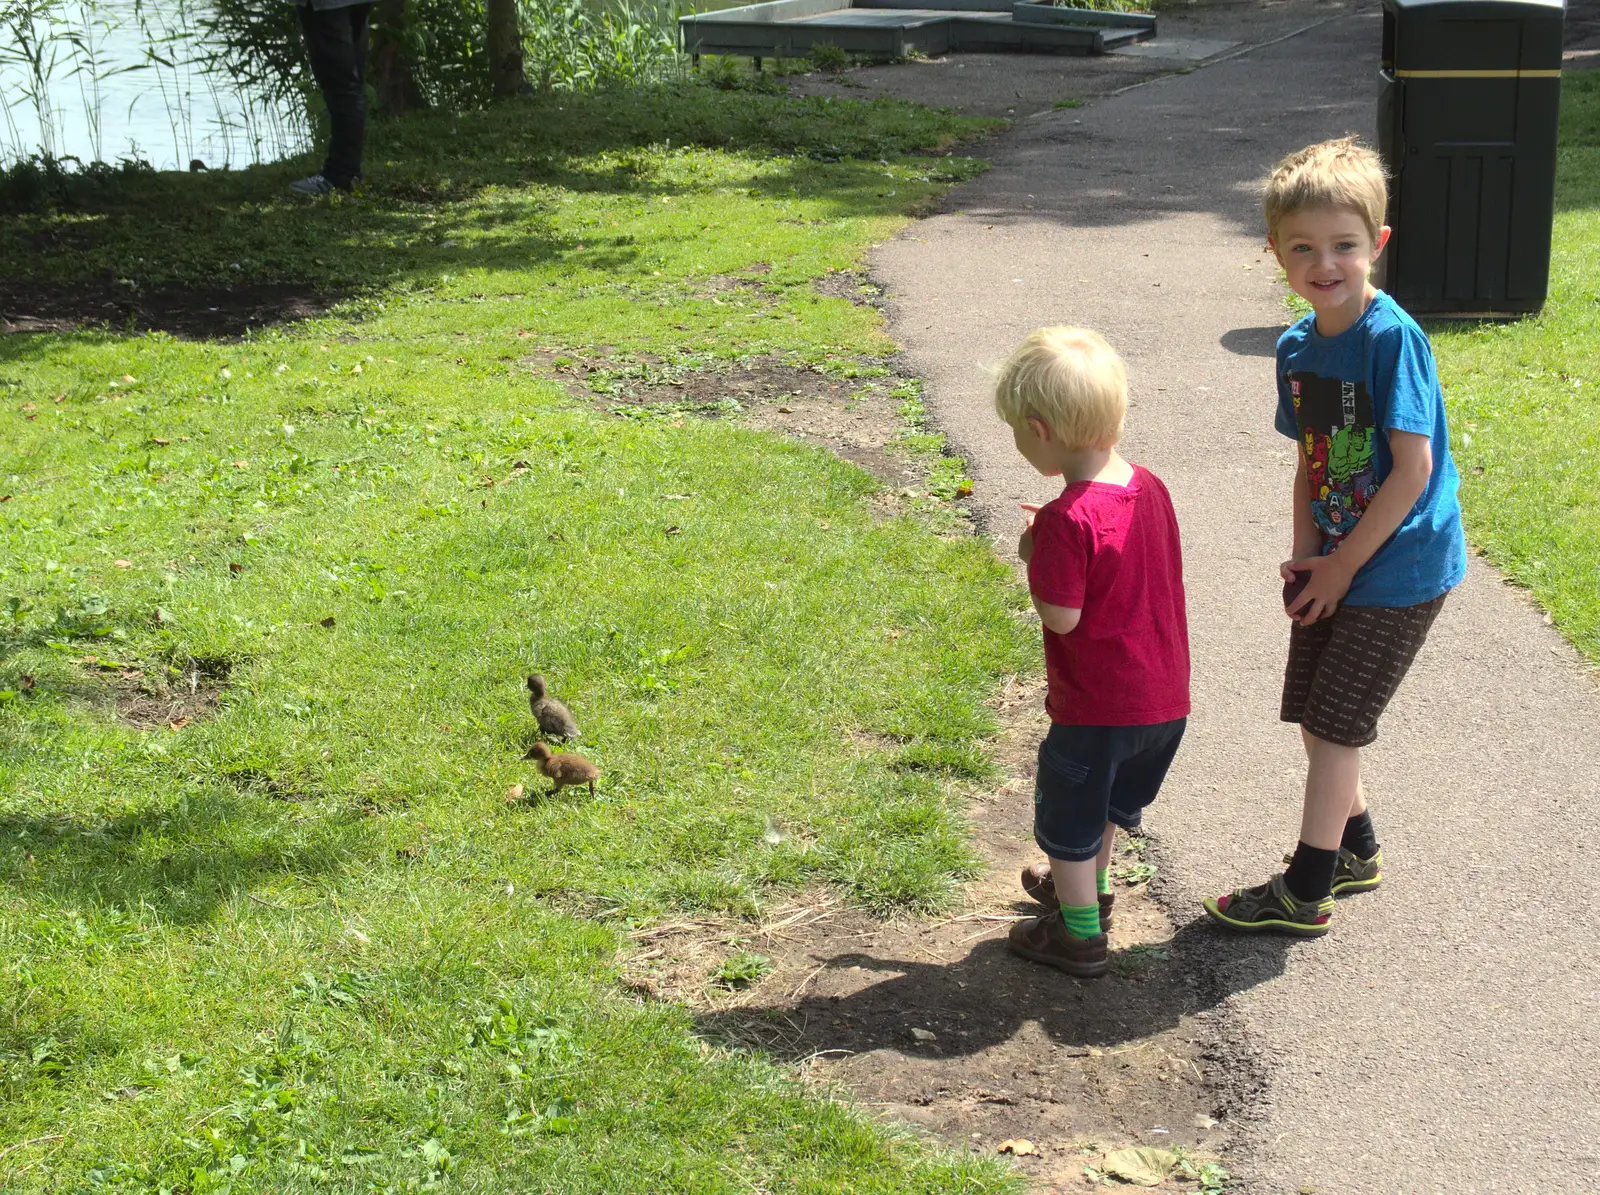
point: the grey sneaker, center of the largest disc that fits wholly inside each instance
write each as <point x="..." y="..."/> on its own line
<point x="1271" y="906"/>
<point x="1352" y="873"/>
<point x="313" y="186"/>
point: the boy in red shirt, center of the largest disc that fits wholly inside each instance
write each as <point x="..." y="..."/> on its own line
<point x="1105" y="571"/>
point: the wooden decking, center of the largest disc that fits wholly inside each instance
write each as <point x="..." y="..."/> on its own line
<point x="897" y="28"/>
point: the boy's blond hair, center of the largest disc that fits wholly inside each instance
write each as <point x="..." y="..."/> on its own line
<point x="1331" y="174"/>
<point x="1070" y="378"/>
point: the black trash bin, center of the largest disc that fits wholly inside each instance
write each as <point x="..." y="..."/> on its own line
<point x="1467" y="128"/>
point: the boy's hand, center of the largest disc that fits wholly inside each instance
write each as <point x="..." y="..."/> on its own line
<point x="1025" y="544"/>
<point x="1329" y="582"/>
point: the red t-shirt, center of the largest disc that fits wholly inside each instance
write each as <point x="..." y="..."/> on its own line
<point x="1113" y="552"/>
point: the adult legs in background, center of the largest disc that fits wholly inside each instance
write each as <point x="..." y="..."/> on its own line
<point x="336" y="42"/>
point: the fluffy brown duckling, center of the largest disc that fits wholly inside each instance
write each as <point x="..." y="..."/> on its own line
<point x="568" y="771"/>
<point x="554" y="718"/>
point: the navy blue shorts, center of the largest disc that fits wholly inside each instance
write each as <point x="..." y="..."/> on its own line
<point x="1091" y="775"/>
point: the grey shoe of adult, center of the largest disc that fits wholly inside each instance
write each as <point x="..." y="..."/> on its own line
<point x="312" y="186"/>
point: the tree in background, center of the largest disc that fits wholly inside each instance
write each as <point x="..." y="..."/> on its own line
<point x="503" y="24"/>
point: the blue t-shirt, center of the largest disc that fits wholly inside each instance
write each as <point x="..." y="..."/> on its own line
<point x="1340" y="396"/>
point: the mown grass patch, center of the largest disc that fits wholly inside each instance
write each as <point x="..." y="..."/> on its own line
<point x="300" y="941"/>
<point x="1524" y="403"/>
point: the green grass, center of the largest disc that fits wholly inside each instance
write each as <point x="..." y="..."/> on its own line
<point x="304" y="944"/>
<point x="1524" y="403"/>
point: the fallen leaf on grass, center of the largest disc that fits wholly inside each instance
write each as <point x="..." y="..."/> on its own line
<point x="514" y="793"/>
<point x="1143" y="1166"/>
<point x="177" y="724"/>
<point x="328" y="621"/>
<point x="241" y="464"/>
<point x="1018" y="1147"/>
<point x="235" y="567"/>
<point x="122" y="564"/>
<point x="160" y="443"/>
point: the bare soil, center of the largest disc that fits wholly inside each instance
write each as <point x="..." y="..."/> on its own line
<point x="189" y="313"/>
<point x="936" y="1024"/>
<point x="854" y="418"/>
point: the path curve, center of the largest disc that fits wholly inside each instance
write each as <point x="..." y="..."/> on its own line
<point x="1444" y="1038"/>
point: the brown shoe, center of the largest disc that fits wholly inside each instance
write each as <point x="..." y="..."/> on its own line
<point x="1040" y="885"/>
<point x="1046" y="940"/>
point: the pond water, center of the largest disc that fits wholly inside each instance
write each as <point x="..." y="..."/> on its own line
<point x="118" y="81"/>
<point x="107" y="95"/>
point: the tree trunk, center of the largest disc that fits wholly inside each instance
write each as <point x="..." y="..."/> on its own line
<point x="388" y="69"/>
<point x="505" y="48"/>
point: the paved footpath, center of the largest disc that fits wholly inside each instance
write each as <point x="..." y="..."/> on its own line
<point x="1446" y="1036"/>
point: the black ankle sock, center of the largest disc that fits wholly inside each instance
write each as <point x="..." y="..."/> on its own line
<point x="1359" y="838"/>
<point x="1310" y="874"/>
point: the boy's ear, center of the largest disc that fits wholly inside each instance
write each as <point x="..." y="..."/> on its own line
<point x="1383" y="239"/>
<point x="1041" y="429"/>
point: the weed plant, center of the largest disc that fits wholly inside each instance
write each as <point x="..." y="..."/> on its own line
<point x="304" y="944"/>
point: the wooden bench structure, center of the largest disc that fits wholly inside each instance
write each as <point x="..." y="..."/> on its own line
<point x="898" y="28"/>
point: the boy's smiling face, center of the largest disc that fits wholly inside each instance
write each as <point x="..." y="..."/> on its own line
<point x="1327" y="254"/>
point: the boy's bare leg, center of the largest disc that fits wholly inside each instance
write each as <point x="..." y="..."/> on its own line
<point x="1333" y="792"/>
<point x="1360" y="805"/>
<point x="1074" y="882"/>
<point x="1103" y="859"/>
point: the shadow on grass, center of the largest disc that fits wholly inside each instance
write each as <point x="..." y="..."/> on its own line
<point x="988" y="997"/>
<point x="181" y="860"/>
<point x="223" y="252"/>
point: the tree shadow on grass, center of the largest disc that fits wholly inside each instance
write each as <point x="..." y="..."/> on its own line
<point x="181" y="860"/>
<point x="221" y="253"/>
<point x="985" y="999"/>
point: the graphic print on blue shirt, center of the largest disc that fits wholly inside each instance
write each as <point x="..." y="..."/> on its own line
<point x="1336" y="427"/>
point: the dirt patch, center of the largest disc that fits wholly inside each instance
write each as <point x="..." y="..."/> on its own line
<point x="936" y="1024"/>
<point x="191" y="313"/>
<point x="854" y="418"/>
<point x="158" y="697"/>
<point x="851" y="285"/>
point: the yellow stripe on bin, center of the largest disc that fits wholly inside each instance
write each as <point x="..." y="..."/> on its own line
<point x="1556" y="74"/>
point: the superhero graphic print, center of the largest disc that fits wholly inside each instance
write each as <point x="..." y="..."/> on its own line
<point x="1336" y="426"/>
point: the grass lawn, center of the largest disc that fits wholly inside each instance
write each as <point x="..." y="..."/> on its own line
<point x="303" y="943"/>
<point x="1524" y="403"/>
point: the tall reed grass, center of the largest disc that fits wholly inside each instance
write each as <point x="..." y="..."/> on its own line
<point x="231" y="75"/>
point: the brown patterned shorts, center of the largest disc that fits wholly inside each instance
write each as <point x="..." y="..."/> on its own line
<point x="1343" y="670"/>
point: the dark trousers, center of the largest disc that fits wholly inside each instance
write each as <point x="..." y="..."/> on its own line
<point x="336" y="40"/>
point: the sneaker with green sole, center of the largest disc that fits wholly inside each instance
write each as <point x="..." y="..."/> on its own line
<point x="1271" y="906"/>
<point x="1352" y="873"/>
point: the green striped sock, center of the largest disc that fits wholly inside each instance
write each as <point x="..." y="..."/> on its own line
<point x="1083" y="921"/>
<point x="1102" y="881"/>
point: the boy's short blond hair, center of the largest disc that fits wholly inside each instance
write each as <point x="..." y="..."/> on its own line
<point x="1331" y="174"/>
<point x="1070" y="378"/>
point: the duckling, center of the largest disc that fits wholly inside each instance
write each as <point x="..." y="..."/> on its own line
<point x="568" y="771"/>
<point x="554" y="718"/>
